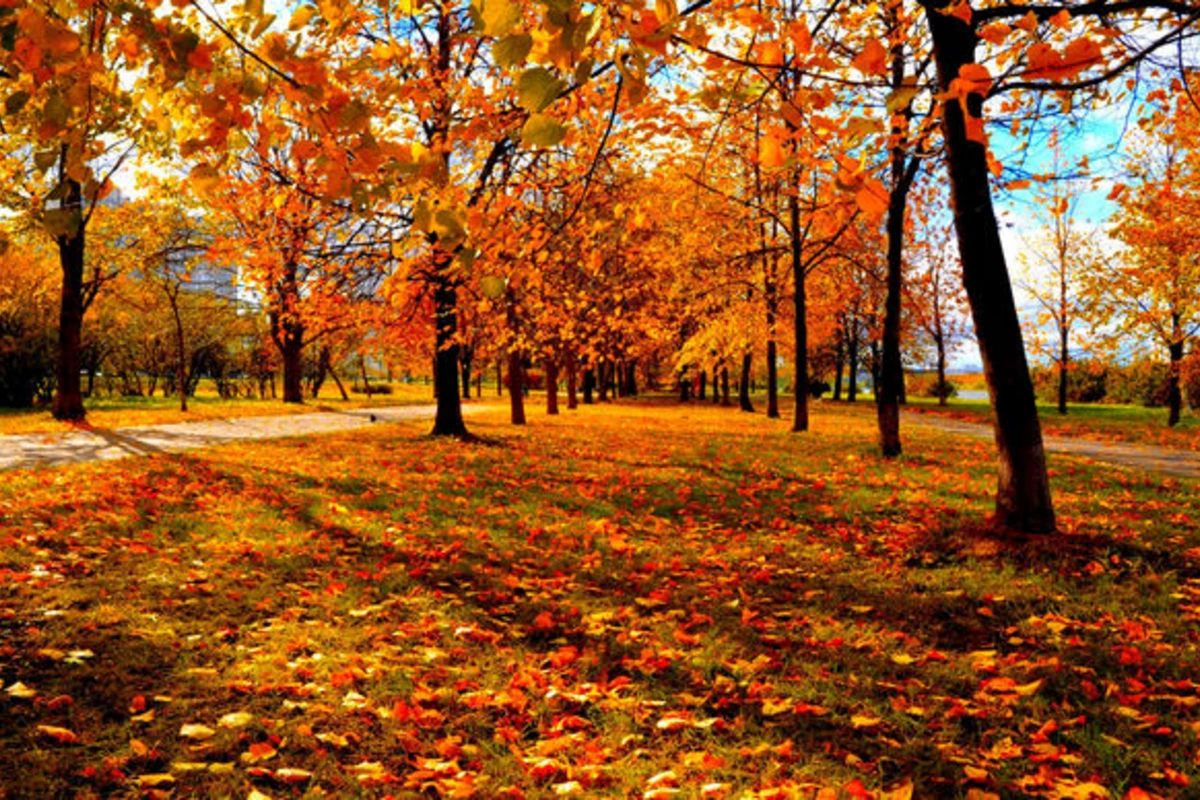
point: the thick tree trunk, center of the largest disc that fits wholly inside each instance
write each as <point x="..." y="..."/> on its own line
<point x="68" y="392"/>
<point x="891" y="370"/>
<point x="291" y="349"/>
<point x="800" y="384"/>
<point x="589" y="384"/>
<point x="516" y="388"/>
<point x="448" y="420"/>
<point x="602" y="378"/>
<point x="744" y="384"/>
<point x="725" y="386"/>
<point x="551" y="386"/>
<point x="572" y="397"/>
<point x="685" y="387"/>
<point x="631" y="384"/>
<point x="1023" y="500"/>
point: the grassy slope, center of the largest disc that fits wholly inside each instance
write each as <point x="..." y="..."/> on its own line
<point x="588" y="604"/>
<point x="1108" y="423"/>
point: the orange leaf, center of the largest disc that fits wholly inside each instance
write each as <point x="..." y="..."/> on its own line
<point x="770" y="152"/>
<point x="872" y="60"/>
<point x="60" y="735"/>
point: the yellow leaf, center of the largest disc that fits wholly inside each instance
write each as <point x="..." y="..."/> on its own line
<point x="864" y="722"/>
<point x="61" y="735"/>
<point x="197" y="733"/>
<point x="770" y="152"/>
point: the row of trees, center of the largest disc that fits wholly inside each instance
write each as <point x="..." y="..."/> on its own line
<point x="559" y="175"/>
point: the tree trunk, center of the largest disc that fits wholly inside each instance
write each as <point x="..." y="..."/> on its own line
<point x="800" y="384"/>
<point x="589" y="384"/>
<point x="68" y="393"/>
<point x="839" y="356"/>
<point x="572" y="397"/>
<point x="499" y="378"/>
<point x="1023" y="500"/>
<point x="702" y="390"/>
<point x="516" y="388"/>
<point x="551" y="386"/>
<point x="1174" y="389"/>
<point x="1062" y="370"/>
<point x="449" y="419"/>
<point x="180" y="353"/>
<point x="631" y="384"/>
<point x="772" y="366"/>
<point x="852" y="366"/>
<point x="744" y="383"/>
<point x="602" y="379"/>
<point x="465" y="358"/>
<point x="338" y="383"/>
<point x="941" y="370"/>
<point x="292" y="351"/>
<point x="362" y="368"/>
<point x="725" y="386"/>
<point x="685" y="387"/>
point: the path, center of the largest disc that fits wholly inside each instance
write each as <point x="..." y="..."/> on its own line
<point x="100" y="444"/>
<point x="1168" y="460"/>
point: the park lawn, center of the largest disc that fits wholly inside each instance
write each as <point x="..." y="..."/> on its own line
<point x="1095" y="421"/>
<point x="122" y="412"/>
<point x="618" y="602"/>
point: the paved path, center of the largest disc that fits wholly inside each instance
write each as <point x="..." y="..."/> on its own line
<point x="1169" y="460"/>
<point x="99" y="444"/>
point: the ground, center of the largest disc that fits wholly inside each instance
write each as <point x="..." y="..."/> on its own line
<point x="621" y="601"/>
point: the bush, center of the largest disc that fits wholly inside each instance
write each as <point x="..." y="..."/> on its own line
<point x="27" y="359"/>
<point x="925" y="384"/>
<point x="1087" y="382"/>
<point x="376" y="388"/>
<point x="817" y="387"/>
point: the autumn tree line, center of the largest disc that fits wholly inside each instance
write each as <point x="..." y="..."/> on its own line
<point x="588" y="188"/>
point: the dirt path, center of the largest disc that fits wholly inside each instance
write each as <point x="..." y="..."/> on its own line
<point x="100" y="444"/>
<point x="1168" y="460"/>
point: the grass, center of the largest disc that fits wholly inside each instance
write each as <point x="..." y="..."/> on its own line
<point x="621" y="601"/>
<point x="122" y="412"/>
<point x="1096" y="421"/>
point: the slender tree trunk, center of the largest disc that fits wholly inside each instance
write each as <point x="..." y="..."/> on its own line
<point x="744" y="383"/>
<point x="800" y="384"/>
<point x="551" y="386"/>
<point x="839" y="355"/>
<point x="725" y="386"/>
<point x="572" y="398"/>
<point x="448" y="420"/>
<point x="465" y="358"/>
<point x="362" y="368"/>
<point x="852" y="367"/>
<point x="1062" y="370"/>
<point x="941" y="370"/>
<point x="338" y="383"/>
<point x="685" y="387"/>
<point x="1023" y="499"/>
<point x="68" y="393"/>
<point x="602" y="379"/>
<point x="1174" y="388"/>
<point x="499" y="378"/>
<point x="702" y="391"/>
<point x="292" y="352"/>
<point x="589" y="383"/>
<point x="772" y="356"/>
<point x="631" y="383"/>
<point x="180" y="352"/>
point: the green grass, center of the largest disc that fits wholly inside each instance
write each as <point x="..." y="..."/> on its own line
<point x="588" y="603"/>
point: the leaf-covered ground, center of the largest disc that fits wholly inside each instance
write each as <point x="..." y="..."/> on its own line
<point x="622" y="601"/>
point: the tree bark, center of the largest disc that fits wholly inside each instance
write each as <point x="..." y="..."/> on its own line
<point x="68" y="392"/>
<point x="800" y="384"/>
<point x="589" y="384"/>
<point x="772" y="356"/>
<point x="725" y="386"/>
<point x="602" y="371"/>
<point x="1174" y="388"/>
<point x="839" y="362"/>
<point x="744" y="383"/>
<point x="941" y="370"/>
<point x="448" y="420"/>
<point x="702" y="390"/>
<point x="572" y="397"/>
<point x="516" y="388"/>
<point x="1062" y="370"/>
<point x="465" y="360"/>
<point x="852" y="365"/>
<point x="631" y="384"/>
<point x="1023" y="501"/>
<point x="551" y="386"/>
